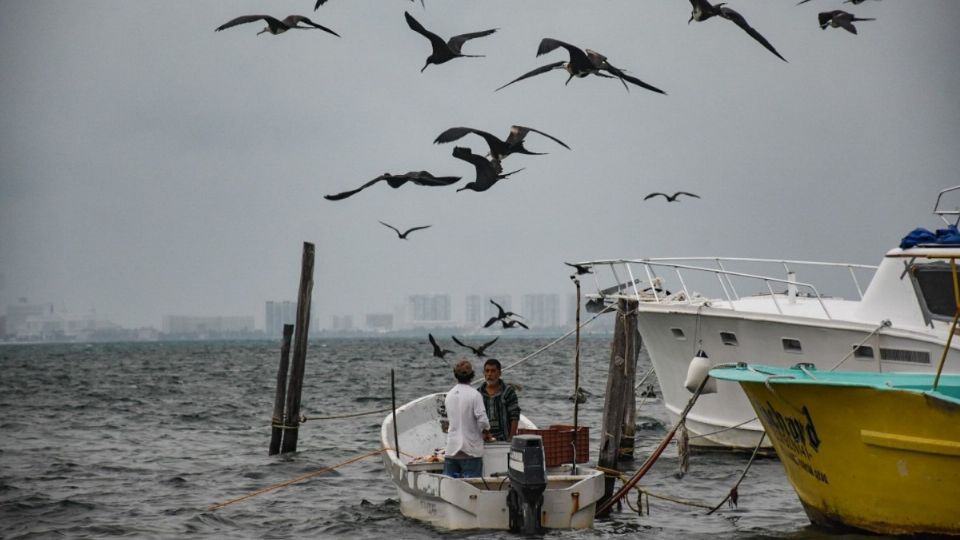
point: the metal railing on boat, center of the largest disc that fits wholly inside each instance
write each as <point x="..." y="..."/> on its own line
<point x="629" y="286"/>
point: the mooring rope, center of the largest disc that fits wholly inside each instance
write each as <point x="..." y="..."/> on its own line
<point x="732" y="495"/>
<point x="883" y="324"/>
<point x="301" y="478"/>
<point x="652" y="458"/>
<point x="613" y="473"/>
<point x="735" y="426"/>
<point x="558" y="340"/>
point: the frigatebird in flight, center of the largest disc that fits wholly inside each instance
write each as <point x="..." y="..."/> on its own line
<point x="840" y="19"/>
<point x="581" y="269"/>
<point x="479" y="351"/>
<point x="671" y="198"/>
<point x="582" y="63"/>
<point x="503" y="316"/>
<point x="499" y="149"/>
<point x="488" y="172"/>
<point x="438" y="351"/>
<point x="703" y="10"/>
<point x="276" y="26"/>
<point x="403" y="235"/>
<point x="421" y="178"/>
<point x="444" y="51"/>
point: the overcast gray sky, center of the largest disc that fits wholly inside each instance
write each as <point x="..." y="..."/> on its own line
<point x="151" y="166"/>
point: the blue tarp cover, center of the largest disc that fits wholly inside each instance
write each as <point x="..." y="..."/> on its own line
<point x="950" y="235"/>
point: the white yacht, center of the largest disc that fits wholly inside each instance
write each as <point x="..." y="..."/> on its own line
<point x="778" y="317"/>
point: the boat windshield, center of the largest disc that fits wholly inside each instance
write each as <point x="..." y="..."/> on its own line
<point x="935" y="282"/>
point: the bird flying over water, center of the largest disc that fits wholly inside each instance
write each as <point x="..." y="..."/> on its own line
<point x="438" y="351"/>
<point x="499" y="149"/>
<point x="513" y="323"/>
<point x="403" y="235"/>
<point x="581" y="64"/>
<point x="488" y="172"/>
<point x="479" y="351"/>
<point x="276" y="26"/>
<point x="421" y="178"/>
<point x="444" y="51"/>
<point x="840" y="19"/>
<point x="671" y="198"/>
<point x="503" y="316"/>
<point x="703" y="10"/>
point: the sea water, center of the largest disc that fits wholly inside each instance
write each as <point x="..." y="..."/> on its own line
<point x="137" y="440"/>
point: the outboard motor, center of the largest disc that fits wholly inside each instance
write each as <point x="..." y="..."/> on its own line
<point x="527" y="471"/>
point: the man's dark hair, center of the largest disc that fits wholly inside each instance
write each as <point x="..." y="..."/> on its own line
<point x="493" y="362"/>
<point x="463" y="372"/>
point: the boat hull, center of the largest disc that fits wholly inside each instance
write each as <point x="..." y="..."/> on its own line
<point x="885" y="460"/>
<point x="726" y="419"/>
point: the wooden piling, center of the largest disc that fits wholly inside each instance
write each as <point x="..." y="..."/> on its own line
<point x="630" y="401"/>
<point x="619" y="382"/>
<point x="276" y="434"/>
<point x="292" y="417"/>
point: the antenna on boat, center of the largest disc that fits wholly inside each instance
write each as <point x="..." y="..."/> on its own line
<point x="943" y="211"/>
<point x="393" y="403"/>
<point x="576" y="378"/>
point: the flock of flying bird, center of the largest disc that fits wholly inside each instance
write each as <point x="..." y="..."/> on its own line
<point x="488" y="170"/>
<point x="506" y="318"/>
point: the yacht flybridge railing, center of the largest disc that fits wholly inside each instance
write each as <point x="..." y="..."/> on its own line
<point x="644" y="279"/>
<point x="943" y="211"/>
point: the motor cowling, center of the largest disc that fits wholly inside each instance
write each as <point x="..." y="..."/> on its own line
<point x="527" y="471"/>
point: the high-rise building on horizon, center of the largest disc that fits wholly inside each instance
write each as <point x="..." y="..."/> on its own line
<point x="280" y="312"/>
<point x="473" y="311"/>
<point x="427" y="310"/>
<point x="277" y="314"/>
<point x="541" y="310"/>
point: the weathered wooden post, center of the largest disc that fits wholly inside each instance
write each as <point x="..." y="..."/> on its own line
<point x="276" y="434"/>
<point x="291" y="420"/>
<point x="619" y="381"/>
<point x="634" y="345"/>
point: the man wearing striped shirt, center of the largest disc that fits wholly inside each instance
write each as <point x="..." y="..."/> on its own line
<point x="500" y="401"/>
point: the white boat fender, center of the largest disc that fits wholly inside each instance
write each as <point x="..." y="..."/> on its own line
<point x="698" y="370"/>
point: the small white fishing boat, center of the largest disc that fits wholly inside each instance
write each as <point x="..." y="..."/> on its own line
<point x="569" y="492"/>
<point x="898" y="323"/>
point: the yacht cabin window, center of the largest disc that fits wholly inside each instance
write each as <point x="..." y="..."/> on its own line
<point x="678" y="333"/>
<point x="862" y="351"/>
<point x="935" y="283"/>
<point x="791" y="345"/>
<point x="729" y="338"/>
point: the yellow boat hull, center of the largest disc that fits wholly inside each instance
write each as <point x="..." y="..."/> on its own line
<point x="877" y="459"/>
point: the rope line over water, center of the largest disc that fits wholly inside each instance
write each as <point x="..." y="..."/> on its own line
<point x="214" y="507"/>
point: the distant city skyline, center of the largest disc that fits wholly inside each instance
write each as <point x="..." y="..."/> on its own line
<point x="540" y="310"/>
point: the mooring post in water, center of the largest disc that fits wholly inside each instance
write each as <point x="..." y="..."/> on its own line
<point x="634" y="344"/>
<point x="291" y="420"/>
<point x="276" y="435"/>
<point x="619" y="380"/>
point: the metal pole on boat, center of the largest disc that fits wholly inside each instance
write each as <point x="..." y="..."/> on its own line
<point x="953" y="324"/>
<point x="276" y="434"/>
<point x="292" y="418"/>
<point x="576" y="381"/>
<point x="393" y="405"/>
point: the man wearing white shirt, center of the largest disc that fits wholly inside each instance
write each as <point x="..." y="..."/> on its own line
<point x="468" y="428"/>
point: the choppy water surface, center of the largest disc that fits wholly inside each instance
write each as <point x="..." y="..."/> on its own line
<point x="137" y="440"/>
